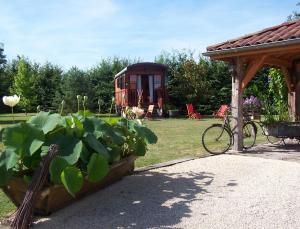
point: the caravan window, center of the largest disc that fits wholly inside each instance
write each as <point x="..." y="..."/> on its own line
<point x="133" y="82"/>
<point x="157" y="81"/>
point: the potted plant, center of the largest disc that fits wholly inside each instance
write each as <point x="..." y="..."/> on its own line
<point x="92" y="154"/>
<point x="252" y="107"/>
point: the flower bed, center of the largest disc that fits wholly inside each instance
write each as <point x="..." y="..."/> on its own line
<point x="92" y="154"/>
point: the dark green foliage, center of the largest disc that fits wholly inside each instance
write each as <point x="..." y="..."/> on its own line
<point x="101" y="78"/>
<point x="74" y="82"/>
<point x="7" y="72"/>
<point x="270" y="88"/>
<point x="46" y="84"/>
<point x="205" y="83"/>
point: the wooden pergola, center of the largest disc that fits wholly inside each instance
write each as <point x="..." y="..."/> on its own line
<point x="278" y="47"/>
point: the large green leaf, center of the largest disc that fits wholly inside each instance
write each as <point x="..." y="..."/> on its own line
<point x="102" y="129"/>
<point x="85" y="154"/>
<point x="73" y="125"/>
<point x="8" y="159"/>
<point x="45" y="121"/>
<point x="97" y="167"/>
<point x="95" y="145"/>
<point x="114" y="153"/>
<point x="23" y="138"/>
<point x="72" y="179"/>
<point x="146" y="133"/>
<point x="66" y="121"/>
<point x="56" y="167"/>
<point x="70" y="147"/>
<point x="140" y="147"/>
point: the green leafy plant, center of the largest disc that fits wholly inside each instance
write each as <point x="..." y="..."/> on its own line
<point x="87" y="147"/>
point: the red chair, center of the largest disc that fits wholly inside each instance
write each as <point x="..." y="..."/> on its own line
<point x="221" y="112"/>
<point x="191" y="113"/>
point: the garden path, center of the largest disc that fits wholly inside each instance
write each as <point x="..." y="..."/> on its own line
<point x="225" y="191"/>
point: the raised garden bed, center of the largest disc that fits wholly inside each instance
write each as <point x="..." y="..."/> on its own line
<point x="283" y="129"/>
<point x="55" y="197"/>
<point x="91" y="154"/>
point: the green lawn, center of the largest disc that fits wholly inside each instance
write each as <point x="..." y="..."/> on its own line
<point x="177" y="138"/>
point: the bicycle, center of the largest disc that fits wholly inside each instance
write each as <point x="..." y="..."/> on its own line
<point x="218" y="138"/>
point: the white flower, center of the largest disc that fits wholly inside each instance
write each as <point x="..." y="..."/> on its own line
<point x="11" y="100"/>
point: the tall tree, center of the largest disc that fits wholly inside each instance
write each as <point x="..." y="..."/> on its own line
<point x="46" y="83"/>
<point x="4" y="80"/>
<point x="74" y="82"/>
<point x="23" y="84"/>
<point x="101" y="78"/>
<point x="2" y="56"/>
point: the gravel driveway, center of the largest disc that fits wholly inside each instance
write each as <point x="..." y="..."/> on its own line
<point x="225" y="191"/>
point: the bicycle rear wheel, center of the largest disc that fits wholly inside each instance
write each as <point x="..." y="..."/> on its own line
<point x="216" y="139"/>
<point x="249" y="134"/>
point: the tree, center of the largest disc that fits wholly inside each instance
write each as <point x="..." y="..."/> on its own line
<point x="4" y="80"/>
<point x="74" y="82"/>
<point x="46" y="83"/>
<point x="205" y="83"/>
<point x="2" y="57"/>
<point x="295" y="15"/>
<point x="23" y="83"/>
<point x="101" y="78"/>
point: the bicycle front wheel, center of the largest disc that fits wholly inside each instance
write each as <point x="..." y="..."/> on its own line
<point x="249" y="134"/>
<point x="216" y="139"/>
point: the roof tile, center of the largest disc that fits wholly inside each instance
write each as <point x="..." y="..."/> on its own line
<point x="285" y="31"/>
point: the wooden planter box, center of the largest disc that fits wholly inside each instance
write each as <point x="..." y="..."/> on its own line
<point x="55" y="197"/>
<point x="283" y="129"/>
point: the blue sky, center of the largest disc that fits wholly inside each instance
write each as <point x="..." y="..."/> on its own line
<point x="81" y="32"/>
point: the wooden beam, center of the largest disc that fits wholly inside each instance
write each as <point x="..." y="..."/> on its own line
<point x="287" y="78"/>
<point x="237" y="105"/>
<point x="278" y="62"/>
<point x="252" y="69"/>
<point x="262" y="51"/>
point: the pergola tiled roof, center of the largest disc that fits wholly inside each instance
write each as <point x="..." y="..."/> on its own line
<point x="277" y="46"/>
<point x="288" y="32"/>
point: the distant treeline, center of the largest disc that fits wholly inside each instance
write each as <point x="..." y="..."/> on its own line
<point x="205" y="83"/>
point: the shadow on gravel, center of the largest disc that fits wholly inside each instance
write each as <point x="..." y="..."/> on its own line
<point x="146" y="200"/>
<point x="290" y="151"/>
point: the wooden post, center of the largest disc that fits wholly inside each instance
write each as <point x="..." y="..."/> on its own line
<point x="236" y="104"/>
<point x="292" y="105"/>
<point x="291" y="79"/>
